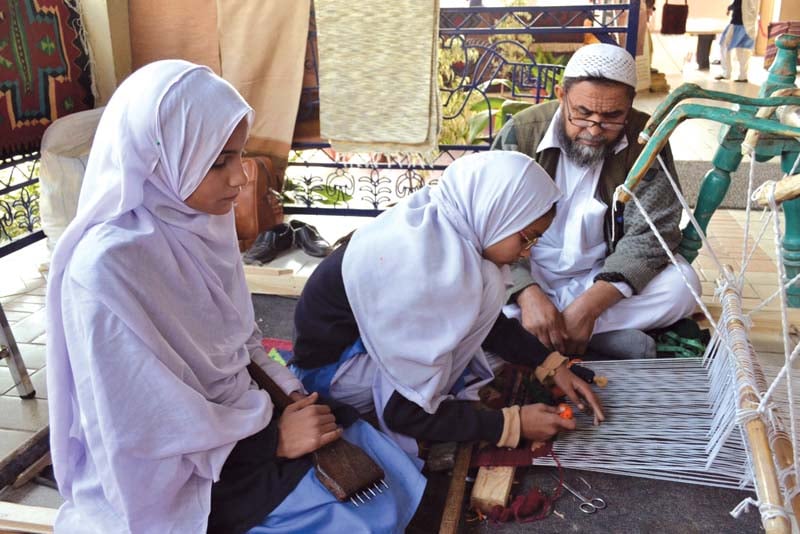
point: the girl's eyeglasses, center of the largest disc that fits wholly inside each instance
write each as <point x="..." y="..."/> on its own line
<point x="528" y="242"/>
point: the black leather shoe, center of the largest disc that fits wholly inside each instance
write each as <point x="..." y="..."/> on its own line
<point x="308" y="239"/>
<point x="269" y="244"/>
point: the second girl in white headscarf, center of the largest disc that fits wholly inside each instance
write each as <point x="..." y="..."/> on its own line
<point x="398" y="319"/>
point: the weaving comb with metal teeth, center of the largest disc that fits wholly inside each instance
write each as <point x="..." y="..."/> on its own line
<point x="343" y="468"/>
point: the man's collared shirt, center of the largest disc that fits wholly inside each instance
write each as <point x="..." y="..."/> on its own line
<point x="574" y="246"/>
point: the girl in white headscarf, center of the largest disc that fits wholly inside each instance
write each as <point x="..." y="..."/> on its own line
<point x="155" y="423"/>
<point x="398" y="319"/>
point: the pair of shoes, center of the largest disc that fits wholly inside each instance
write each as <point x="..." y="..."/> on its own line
<point x="720" y="77"/>
<point x="268" y="244"/>
<point x="740" y="80"/>
<point x="627" y="344"/>
<point x="307" y="238"/>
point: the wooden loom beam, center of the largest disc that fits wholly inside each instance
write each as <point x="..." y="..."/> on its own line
<point x="764" y="471"/>
<point x="787" y="188"/>
<point x="453" y="507"/>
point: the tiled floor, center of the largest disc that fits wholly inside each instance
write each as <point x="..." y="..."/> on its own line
<point x="22" y="288"/>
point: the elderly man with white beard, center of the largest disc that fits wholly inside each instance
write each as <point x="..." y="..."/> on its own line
<point x="598" y="278"/>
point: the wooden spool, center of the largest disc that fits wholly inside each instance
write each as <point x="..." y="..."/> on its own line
<point x="787" y="188"/>
<point x="751" y="139"/>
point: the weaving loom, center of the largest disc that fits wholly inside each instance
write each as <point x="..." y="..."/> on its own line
<point x="725" y="419"/>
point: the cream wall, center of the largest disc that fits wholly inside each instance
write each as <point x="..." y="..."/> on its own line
<point x="787" y="10"/>
<point x="698" y="9"/>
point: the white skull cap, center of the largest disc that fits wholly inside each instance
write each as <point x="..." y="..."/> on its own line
<point x="603" y="61"/>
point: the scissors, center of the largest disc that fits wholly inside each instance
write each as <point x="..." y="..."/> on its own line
<point x="587" y="506"/>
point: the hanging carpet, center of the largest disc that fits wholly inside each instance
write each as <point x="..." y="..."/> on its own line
<point x="378" y="75"/>
<point x="44" y="71"/>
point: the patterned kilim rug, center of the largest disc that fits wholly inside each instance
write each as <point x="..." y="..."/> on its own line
<point x="44" y="71"/>
<point x="279" y="350"/>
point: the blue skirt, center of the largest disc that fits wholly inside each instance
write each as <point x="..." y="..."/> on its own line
<point x="319" y="379"/>
<point x="738" y="37"/>
<point x="312" y="508"/>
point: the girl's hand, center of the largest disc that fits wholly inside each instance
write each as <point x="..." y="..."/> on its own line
<point x="540" y="422"/>
<point x="579" y="392"/>
<point x="305" y="427"/>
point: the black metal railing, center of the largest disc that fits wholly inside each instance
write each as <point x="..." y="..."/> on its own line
<point x="486" y="49"/>
<point x="491" y="65"/>
<point x="20" y="224"/>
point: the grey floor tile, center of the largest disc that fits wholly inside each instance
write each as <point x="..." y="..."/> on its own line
<point x="32" y="299"/>
<point x="41" y="340"/>
<point x="38" y="379"/>
<point x="15" y="305"/>
<point x="33" y="494"/>
<point x="12" y="286"/>
<point x="31" y="327"/>
<point x="34" y="281"/>
<point x="19" y="414"/>
<point x="15" y="316"/>
<point x="34" y="356"/>
<point x="6" y="382"/>
<point x="11" y="439"/>
<point x="42" y="290"/>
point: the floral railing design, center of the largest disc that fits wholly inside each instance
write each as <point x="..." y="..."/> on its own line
<point x="19" y="203"/>
<point x="490" y="68"/>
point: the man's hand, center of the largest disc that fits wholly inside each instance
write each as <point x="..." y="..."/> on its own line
<point x="582" y="313"/>
<point x="305" y="427"/>
<point x="541" y="318"/>
<point x="579" y="322"/>
<point x="578" y="392"/>
<point x="540" y="422"/>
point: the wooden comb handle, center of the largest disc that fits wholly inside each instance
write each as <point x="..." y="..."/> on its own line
<point x="279" y="398"/>
<point x="343" y="468"/>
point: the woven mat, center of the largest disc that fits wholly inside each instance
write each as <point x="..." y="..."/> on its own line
<point x="378" y="91"/>
<point x="44" y="71"/>
<point x="691" y="174"/>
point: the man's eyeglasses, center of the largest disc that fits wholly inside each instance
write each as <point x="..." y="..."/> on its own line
<point x="528" y="242"/>
<point x="588" y="123"/>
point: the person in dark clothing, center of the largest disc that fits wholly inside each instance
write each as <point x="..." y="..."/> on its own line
<point x="398" y="319"/>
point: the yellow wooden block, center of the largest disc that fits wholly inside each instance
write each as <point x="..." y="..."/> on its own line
<point x="492" y="487"/>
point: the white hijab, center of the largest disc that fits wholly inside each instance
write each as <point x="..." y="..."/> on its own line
<point x="150" y="414"/>
<point x="422" y="294"/>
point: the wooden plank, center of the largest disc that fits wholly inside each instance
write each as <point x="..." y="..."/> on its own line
<point x="31" y="472"/>
<point x="451" y="516"/>
<point x="23" y="518"/>
<point x="492" y="487"/>
<point x="24" y="456"/>
<point x="286" y="285"/>
<point x="267" y="271"/>
<point x="286" y="275"/>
